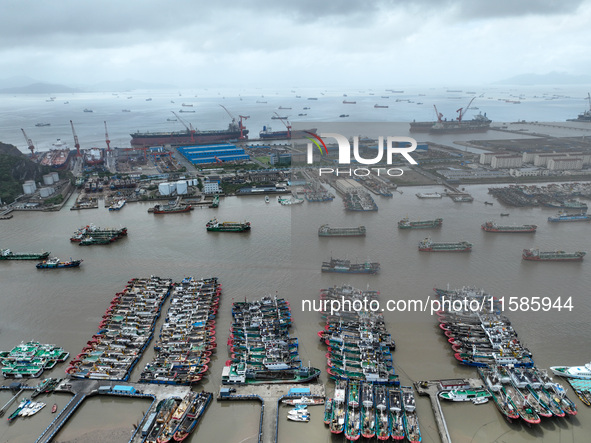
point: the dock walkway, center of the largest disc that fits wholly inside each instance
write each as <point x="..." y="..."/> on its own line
<point x="269" y="395"/>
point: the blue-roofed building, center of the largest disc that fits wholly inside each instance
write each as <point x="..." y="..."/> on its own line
<point x="205" y="154"/>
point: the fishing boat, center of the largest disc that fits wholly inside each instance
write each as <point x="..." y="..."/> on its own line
<point x="337" y="418"/>
<point x="24" y="402"/>
<point x="328" y="411"/>
<point x="54" y="263"/>
<point x="537" y="255"/>
<point x="382" y="416"/>
<point x="427" y="245"/>
<point x="7" y="254"/>
<point x="396" y="414"/>
<point x="267" y="199"/>
<point x="368" y="419"/>
<point x="215" y="226"/>
<point x="491" y="226"/>
<point x="192" y="416"/>
<point x="411" y="420"/>
<point x="353" y="417"/>
<point x="289" y="201"/>
<point x="405" y="223"/>
<point x="521" y="405"/>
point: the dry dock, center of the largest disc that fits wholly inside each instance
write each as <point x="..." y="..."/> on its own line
<point x="269" y="395"/>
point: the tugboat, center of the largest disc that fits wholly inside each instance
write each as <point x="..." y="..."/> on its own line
<point x="215" y="226"/>
<point x="54" y="263"/>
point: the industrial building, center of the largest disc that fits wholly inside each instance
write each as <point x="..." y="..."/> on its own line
<point x="200" y="155"/>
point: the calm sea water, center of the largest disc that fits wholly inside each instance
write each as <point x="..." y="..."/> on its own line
<point x="282" y="255"/>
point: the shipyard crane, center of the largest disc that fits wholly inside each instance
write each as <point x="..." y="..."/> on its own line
<point x="287" y="125"/>
<point x="30" y="144"/>
<point x="107" y="138"/>
<point x="76" y="143"/>
<point x="438" y="114"/>
<point x="240" y="125"/>
<point x="462" y="111"/>
<point x="187" y="125"/>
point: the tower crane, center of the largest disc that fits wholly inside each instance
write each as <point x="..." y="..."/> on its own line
<point x="189" y="126"/>
<point x="30" y="144"/>
<point x="243" y="135"/>
<point x="462" y="111"/>
<point x="107" y="138"/>
<point x="76" y="143"/>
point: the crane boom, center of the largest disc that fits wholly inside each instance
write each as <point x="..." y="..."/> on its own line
<point x="107" y="138"/>
<point x="438" y="114"/>
<point x="29" y="144"/>
<point x="76" y="143"/>
<point x="287" y="125"/>
<point x="240" y="125"/>
<point x="187" y="125"/>
<point x="462" y="111"/>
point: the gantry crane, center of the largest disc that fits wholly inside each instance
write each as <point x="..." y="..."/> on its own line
<point x="30" y="144"/>
<point x="76" y="143"/>
<point x="243" y="136"/>
<point x="107" y="138"/>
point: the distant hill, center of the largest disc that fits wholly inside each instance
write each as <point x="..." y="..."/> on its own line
<point x="126" y="85"/>
<point x="552" y="78"/>
<point x="39" y="88"/>
<point x="15" y="168"/>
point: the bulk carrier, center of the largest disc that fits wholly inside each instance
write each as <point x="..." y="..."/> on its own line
<point x="235" y="131"/>
<point x="346" y="267"/>
<point x="327" y="231"/>
<point x="491" y="226"/>
<point x="430" y="246"/>
<point x="405" y="223"/>
<point x="537" y="255"/>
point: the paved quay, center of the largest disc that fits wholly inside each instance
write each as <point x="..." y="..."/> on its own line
<point x="432" y="388"/>
<point x="269" y="395"/>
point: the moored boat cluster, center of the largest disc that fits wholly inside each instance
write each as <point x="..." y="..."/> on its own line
<point x="94" y="235"/>
<point x="187" y="337"/>
<point x="484" y="338"/>
<point x="30" y="359"/>
<point x="124" y="332"/>
<point x="261" y="349"/>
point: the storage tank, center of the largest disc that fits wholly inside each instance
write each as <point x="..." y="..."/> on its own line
<point x="29" y="187"/>
<point x="48" y="179"/>
<point x="164" y="188"/>
<point x="46" y="192"/>
<point x="55" y="176"/>
<point x="181" y="187"/>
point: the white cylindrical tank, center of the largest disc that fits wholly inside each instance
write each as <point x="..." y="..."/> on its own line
<point x="181" y="187"/>
<point x="48" y="179"/>
<point x="55" y="176"/>
<point x="164" y="188"/>
<point x="29" y="188"/>
<point x="46" y="192"/>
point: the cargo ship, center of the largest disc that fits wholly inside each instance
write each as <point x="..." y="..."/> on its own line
<point x="215" y="226"/>
<point x="405" y="223"/>
<point x="174" y="208"/>
<point x="54" y="263"/>
<point x="480" y="123"/>
<point x="429" y="195"/>
<point x="288" y="134"/>
<point x="7" y="254"/>
<point x="537" y="255"/>
<point x="94" y="157"/>
<point x="585" y="116"/>
<point x="491" y="226"/>
<point x="564" y="217"/>
<point x="189" y="137"/>
<point x="327" y="231"/>
<point x="430" y="246"/>
<point x="56" y="158"/>
<point x="346" y="267"/>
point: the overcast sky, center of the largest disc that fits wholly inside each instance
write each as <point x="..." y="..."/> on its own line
<point x="242" y="43"/>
